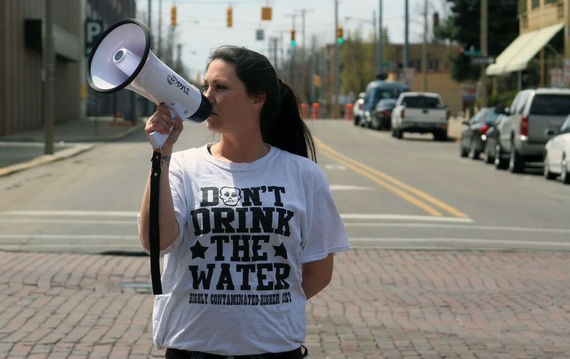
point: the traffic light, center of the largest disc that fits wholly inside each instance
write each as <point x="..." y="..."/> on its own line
<point x="339" y="36"/>
<point x="230" y="17"/>
<point x="266" y="13"/>
<point x="293" y="42"/>
<point x="173" y="16"/>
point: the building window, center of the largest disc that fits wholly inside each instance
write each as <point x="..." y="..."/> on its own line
<point x="535" y="4"/>
<point x="551" y="1"/>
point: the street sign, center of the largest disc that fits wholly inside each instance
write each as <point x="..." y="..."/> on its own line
<point x="480" y="60"/>
<point x="259" y="35"/>
<point x="93" y="29"/>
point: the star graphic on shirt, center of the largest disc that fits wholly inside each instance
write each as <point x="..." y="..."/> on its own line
<point x="198" y="250"/>
<point x="280" y="251"/>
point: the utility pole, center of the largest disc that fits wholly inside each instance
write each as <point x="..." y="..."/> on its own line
<point x="303" y="59"/>
<point x="483" y="77"/>
<point x="380" y="49"/>
<point x="424" y="48"/>
<point x="159" y="47"/>
<point x="406" y="34"/>
<point x="48" y="70"/>
<point x="149" y="14"/>
<point x="292" y="61"/>
<point x="336" y="102"/>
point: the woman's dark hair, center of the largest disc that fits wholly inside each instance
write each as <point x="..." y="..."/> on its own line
<point x="281" y="123"/>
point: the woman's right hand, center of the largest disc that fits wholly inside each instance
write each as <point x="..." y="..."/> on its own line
<point x="162" y="121"/>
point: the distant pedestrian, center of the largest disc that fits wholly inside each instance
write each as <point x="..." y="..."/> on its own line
<point x="248" y="225"/>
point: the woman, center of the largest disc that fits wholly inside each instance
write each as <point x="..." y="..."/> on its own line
<point x="247" y="225"/>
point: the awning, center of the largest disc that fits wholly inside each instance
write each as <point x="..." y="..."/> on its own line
<point x="517" y="55"/>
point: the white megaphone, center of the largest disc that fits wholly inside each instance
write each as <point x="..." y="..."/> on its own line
<point x="122" y="59"/>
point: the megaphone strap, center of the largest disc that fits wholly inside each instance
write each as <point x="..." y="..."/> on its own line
<point x="153" y="225"/>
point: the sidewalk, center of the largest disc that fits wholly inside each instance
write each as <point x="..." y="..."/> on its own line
<point x="380" y="304"/>
<point x="26" y="149"/>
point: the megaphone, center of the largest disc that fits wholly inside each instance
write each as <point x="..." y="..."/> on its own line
<point x="122" y="59"/>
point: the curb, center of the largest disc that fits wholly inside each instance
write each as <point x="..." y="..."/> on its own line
<point x="41" y="160"/>
<point x="67" y="153"/>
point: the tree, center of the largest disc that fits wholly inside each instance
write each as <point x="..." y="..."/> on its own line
<point x="357" y="63"/>
<point x="463" y="26"/>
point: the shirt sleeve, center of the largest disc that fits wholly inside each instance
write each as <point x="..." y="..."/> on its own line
<point x="325" y="232"/>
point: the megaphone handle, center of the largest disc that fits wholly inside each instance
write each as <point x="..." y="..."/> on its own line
<point x="156" y="138"/>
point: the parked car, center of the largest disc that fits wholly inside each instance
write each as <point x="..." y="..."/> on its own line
<point x="375" y="92"/>
<point x="492" y="140"/>
<point x="421" y="112"/>
<point x="357" y="117"/>
<point x="557" y="153"/>
<point x="522" y="132"/>
<point x="380" y="117"/>
<point x="473" y="138"/>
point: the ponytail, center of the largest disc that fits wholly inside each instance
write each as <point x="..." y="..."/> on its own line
<point x="288" y="131"/>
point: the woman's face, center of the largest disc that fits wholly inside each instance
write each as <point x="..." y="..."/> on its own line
<point x="233" y="110"/>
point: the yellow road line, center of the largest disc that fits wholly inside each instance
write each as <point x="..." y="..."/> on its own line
<point x="362" y="168"/>
<point x="388" y="186"/>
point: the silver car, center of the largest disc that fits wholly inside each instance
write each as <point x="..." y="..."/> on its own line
<point x="522" y="131"/>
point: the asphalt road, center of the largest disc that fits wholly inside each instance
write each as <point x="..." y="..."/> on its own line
<point x="410" y="193"/>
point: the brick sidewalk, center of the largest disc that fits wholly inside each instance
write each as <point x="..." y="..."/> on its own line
<point x="381" y="304"/>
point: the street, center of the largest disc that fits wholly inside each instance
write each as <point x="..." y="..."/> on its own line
<point x="451" y="258"/>
<point x="410" y="193"/>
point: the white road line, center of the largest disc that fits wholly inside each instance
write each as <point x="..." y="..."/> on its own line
<point x="71" y="213"/>
<point x="69" y="221"/>
<point x="68" y="237"/>
<point x="462" y="227"/>
<point x="403" y="217"/>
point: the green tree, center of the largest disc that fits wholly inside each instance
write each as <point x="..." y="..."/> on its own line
<point x="358" y="61"/>
<point x="463" y="26"/>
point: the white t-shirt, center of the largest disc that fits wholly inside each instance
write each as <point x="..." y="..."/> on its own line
<point x="232" y="280"/>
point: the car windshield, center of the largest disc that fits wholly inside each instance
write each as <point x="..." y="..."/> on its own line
<point x="384" y="93"/>
<point x="420" y="102"/>
<point x="387" y="103"/>
<point x="553" y="105"/>
<point x="490" y="117"/>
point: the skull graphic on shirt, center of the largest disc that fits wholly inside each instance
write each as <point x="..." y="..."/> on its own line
<point x="230" y="195"/>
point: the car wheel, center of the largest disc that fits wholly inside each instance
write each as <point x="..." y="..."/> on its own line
<point x="463" y="152"/>
<point x="500" y="162"/>
<point x="516" y="161"/>
<point x="399" y="134"/>
<point x="489" y="158"/>
<point x="547" y="174"/>
<point x="440" y="135"/>
<point x="374" y="123"/>
<point x="474" y="151"/>
<point x="564" y="174"/>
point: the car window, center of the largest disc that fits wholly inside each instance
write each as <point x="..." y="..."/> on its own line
<point x="475" y="119"/>
<point x="553" y="105"/>
<point x="565" y="128"/>
<point x="421" y="102"/>
<point x="490" y="117"/>
<point x="514" y="104"/>
<point x="521" y="102"/>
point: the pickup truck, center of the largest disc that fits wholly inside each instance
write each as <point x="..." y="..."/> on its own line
<point x="421" y="112"/>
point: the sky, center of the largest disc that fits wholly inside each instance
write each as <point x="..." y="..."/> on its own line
<point x="202" y="23"/>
